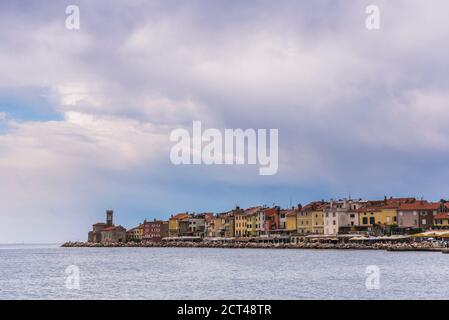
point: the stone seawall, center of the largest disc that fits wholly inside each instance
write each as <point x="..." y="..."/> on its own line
<point x="410" y="246"/>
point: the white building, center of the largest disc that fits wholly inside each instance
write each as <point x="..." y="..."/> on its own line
<point x="341" y="214"/>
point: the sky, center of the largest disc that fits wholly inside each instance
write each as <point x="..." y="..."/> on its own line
<point x="86" y="115"/>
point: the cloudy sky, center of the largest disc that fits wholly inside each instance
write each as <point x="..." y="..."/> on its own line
<point x="85" y="115"/>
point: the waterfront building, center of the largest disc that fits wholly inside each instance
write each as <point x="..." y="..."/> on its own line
<point x="380" y="216"/>
<point x="179" y="225"/>
<point x="318" y="218"/>
<point x="197" y="224"/>
<point x="310" y="218"/>
<point x="240" y="224"/>
<point x="155" y="230"/>
<point x="282" y="219"/>
<point x="417" y="215"/>
<point x="367" y="217"/>
<point x="272" y="222"/>
<point x="254" y="220"/>
<point x="208" y="224"/>
<point x="441" y="220"/>
<point x="135" y="234"/>
<point x="217" y="226"/>
<point x="342" y="216"/>
<point x="291" y="220"/>
<point x="305" y="218"/>
<point x="223" y="224"/>
<point x="228" y="223"/>
<point x="113" y="234"/>
<point x="107" y="232"/>
<point x="387" y="213"/>
<point x="95" y="234"/>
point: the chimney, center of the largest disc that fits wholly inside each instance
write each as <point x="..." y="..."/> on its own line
<point x="299" y="207"/>
<point x="109" y="218"/>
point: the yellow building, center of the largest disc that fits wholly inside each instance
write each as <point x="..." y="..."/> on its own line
<point x="291" y="221"/>
<point x="240" y="224"/>
<point x="248" y="222"/>
<point x="135" y="234"/>
<point x="304" y="222"/>
<point x="250" y="225"/>
<point x="441" y="220"/>
<point x="381" y="215"/>
<point x="174" y="225"/>
<point x="367" y="216"/>
<point x="310" y="219"/>
<point x="318" y="220"/>
<point x="387" y="215"/>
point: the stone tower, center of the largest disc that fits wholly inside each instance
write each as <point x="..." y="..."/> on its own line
<point x="109" y="218"/>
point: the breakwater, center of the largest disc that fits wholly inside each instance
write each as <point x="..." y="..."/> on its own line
<point x="400" y="246"/>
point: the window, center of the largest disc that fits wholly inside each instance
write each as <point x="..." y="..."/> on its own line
<point x="423" y="221"/>
<point x="371" y="220"/>
<point x="352" y="216"/>
<point x="365" y="220"/>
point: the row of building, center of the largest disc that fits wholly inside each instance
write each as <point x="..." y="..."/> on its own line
<point x="375" y="217"/>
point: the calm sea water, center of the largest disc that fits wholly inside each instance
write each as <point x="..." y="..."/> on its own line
<point x="39" y="272"/>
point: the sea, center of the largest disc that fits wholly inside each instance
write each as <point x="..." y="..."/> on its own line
<point x="51" y="272"/>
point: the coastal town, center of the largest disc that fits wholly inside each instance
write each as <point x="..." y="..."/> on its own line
<point x="347" y="223"/>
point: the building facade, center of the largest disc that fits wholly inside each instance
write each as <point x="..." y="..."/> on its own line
<point x="107" y="232"/>
<point x="417" y="215"/>
<point x="341" y="216"/>
<point x="179" y="225"/>
<point x="135" y="234"/>
<point x="155" y="230"/>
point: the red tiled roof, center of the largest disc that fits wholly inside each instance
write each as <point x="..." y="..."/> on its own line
<point x="250" y="211"/>
<point x="419" y="205"/>
<point x="109" y="229"/>
<point x="270" y="211"/>
<point x="444" y="215"/>
<point x="100" y="224"/>
<point x="180" y="216"/>
<point x="315" y="205"/>
<point x="400" y="200"/>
